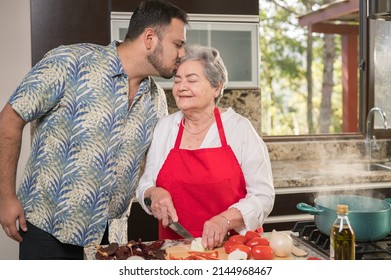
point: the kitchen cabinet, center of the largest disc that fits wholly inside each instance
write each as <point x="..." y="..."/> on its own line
<point x="62" y="22"/>
<point x="250" y="7"/>
<point x="141" y="225"/>
<point x="236" y="38"/>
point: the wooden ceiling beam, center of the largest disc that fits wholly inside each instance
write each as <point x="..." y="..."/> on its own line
<point x="330" y="28"/>
<point x="333" y="11"/>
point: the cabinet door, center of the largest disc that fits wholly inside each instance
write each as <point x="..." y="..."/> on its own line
<point x="238" y="46"/>
<point x="61" y="22"/>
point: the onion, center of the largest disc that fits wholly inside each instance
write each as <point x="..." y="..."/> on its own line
<point x="281" y="243"/>
<point x="196" y="245"/>
<point x="237" y="255"/>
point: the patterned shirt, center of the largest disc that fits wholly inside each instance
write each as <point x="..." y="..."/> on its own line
<point x="89" y="142"/>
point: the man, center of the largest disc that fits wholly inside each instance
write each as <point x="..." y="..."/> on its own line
<point x="95" y="108"/>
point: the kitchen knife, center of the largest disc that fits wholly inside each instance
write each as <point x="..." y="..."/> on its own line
<point x="177" y="227"/>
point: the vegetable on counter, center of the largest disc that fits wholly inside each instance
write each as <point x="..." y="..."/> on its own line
<point x="262" y="252"/>
<point x="194" y="255"/>
<point x="252" y="244"/>
<point x="196" y="245"/>
<point x="281" y="243"/>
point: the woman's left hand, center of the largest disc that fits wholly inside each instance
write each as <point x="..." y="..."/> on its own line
<point x="215" y="231"/>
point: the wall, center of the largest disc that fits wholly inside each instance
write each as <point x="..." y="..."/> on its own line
<point x="15" y="57"/>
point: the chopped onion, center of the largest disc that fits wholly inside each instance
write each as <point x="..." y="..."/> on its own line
<point x="196" y="245"/>
<point x="298" y="252"/>
<point x="237" y="255"/>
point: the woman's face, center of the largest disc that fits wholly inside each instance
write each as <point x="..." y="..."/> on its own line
<point x="191" y="88"/>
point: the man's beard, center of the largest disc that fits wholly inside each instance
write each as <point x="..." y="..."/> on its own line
<point x="156" y="61"/>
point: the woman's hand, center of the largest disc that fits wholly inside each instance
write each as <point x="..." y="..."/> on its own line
<point x="162" y="206"/>
<point x="215" y="231"/>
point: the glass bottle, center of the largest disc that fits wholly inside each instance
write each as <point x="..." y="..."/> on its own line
<point x="342" y="237"/>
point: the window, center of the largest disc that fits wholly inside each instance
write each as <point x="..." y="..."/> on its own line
<point x="309" y="68"/>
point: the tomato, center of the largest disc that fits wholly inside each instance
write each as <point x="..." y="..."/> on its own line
<point x="238" y="239"/>
<point x="260" y="252"/>
<point x="258" y="241"/>
<point x="251" y="234"/>
<point x="228" y="246"/>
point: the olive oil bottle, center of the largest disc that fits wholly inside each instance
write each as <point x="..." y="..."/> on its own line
<point x="342" y="237"/>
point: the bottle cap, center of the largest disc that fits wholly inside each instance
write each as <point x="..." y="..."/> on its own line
<point x="342" y="209"/>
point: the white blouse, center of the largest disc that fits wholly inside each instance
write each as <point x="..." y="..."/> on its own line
<point x="249" y="149"/>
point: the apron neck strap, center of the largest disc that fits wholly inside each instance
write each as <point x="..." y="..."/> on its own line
<point x="180" y="132"/>
<point x="220" y="129"/>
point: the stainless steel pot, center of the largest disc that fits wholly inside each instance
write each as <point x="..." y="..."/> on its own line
<point x="369" y="217"/>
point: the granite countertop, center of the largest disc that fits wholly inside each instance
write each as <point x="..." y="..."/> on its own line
<point x="306" y="164"/>
<point x="317" y="173"/>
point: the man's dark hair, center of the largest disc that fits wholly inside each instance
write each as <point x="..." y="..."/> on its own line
<point x="155" y="14"/>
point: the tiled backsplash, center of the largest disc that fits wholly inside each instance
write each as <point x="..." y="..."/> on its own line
<point x="343" y="150"/>
<point x="314" y="150"/>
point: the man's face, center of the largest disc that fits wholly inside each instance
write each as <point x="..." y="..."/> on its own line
<point x="166" y="55"/>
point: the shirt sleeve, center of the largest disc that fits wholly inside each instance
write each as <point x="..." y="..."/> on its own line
<point x="253" y="156"/>
<point x="162" y="142"/>
<point x="42" y="87"/>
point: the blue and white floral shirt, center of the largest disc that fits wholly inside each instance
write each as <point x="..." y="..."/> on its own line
<point x="89" y="142"/>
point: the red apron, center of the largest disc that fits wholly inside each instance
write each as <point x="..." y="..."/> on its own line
<point x="202" y="183"/>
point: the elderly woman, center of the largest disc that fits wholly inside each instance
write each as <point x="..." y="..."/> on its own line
<point x="206" y="167"/>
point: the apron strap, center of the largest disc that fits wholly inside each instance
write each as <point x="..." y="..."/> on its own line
<point x="220" y="129"/>
<point x="179" y="136"/>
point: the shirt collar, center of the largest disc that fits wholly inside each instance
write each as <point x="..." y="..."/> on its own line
<point x="116" y="69"/>
<point x="145" y="84"/>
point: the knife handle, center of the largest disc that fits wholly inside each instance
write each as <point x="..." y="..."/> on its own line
<point x="148" y="202"/>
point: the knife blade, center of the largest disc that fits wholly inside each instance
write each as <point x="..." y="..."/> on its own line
<point x="179" y="229"/>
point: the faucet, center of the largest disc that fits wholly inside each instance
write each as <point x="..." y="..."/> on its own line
<point x="369" y="130"/>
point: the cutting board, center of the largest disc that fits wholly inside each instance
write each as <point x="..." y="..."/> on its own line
<point x="181" y="251"/>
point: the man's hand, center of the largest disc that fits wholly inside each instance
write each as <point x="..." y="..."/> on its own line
<point x="12" y="211"/>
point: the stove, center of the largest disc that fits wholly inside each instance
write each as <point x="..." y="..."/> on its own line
<point x="306" y="233"/>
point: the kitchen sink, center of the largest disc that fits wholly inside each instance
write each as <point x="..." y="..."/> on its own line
<point x="378" y="166"/>
<point x="386" y="164"/>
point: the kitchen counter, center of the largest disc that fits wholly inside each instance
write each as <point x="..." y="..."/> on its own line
<point x="325" y="163"/>
<point x="307" y="173"/>
<point x="90" y="251"/>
